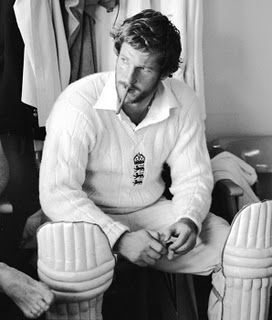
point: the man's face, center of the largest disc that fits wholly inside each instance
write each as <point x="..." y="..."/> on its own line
<point x="139" y="70"/>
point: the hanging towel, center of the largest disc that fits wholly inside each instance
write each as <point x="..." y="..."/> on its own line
<point x="46" y="58"/>
<point x="228" y="166"/>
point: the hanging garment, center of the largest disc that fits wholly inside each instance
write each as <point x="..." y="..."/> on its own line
<point x="78" y="23"/>
<point x="227" y="166"/>
<point x="46" y="58"/>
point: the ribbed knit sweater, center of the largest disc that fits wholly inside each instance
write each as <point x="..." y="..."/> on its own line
<point x="97" y="163"/>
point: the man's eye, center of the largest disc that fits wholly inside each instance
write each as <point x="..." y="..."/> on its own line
<point x="146" y="70"/>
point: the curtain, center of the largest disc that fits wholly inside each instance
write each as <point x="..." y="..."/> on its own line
<point x="187" y="16"/>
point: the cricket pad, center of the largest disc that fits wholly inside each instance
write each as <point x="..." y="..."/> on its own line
<point x="76" y="262"/>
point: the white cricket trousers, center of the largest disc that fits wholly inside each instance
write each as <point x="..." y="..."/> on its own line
<point x="203" y="259"/>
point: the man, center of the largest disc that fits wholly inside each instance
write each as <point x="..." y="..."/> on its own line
<point x="104" y="167"/>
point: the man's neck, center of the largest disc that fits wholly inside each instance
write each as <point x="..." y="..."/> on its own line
<point x="137" y="112"/>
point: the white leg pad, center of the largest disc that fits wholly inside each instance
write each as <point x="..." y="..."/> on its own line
<point x="76" y="262"/>
<point x="245" y="283"/>
<point x="81" y="310"/>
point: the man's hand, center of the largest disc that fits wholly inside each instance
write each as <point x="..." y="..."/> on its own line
<point x="141" y="247"/>
<point x="181" y="236"/>
<point x="29" y="239"/>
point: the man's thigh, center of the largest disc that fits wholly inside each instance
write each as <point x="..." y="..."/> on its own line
<point x="155" y="217"/>
<point x="206" y="255"/>
<point x="203" y="258"/>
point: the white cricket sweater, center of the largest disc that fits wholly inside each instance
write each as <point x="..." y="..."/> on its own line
<point x="96" y="162"/>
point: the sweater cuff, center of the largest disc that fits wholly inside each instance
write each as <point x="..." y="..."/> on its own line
<point x="195" y="221"/>
<point x="114" y="232"/>
<point x="190" y="223"/>
<point x="194" y="216"/>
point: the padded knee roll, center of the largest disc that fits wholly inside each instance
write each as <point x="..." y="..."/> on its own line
<point x="247" y="264"/>
<point x="76" y="262"/>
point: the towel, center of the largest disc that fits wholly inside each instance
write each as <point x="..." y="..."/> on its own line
<point x="228" y="166"/>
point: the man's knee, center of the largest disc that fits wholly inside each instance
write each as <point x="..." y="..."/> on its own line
<point x="76" y="262"/>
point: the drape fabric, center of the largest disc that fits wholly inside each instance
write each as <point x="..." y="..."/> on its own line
<point x="46" y="58"/>
<point x="187" y="16"/>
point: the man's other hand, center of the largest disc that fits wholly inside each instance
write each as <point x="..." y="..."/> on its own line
<point x="181" y="236"/>
<point x="141" y="247"/>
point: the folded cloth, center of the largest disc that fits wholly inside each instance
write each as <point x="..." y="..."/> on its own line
<point x="226" y="165"/>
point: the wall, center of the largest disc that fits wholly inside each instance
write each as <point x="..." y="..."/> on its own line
<point x="237" y="49"/>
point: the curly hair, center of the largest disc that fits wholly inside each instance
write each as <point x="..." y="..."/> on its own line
<point x="153" y="32"/>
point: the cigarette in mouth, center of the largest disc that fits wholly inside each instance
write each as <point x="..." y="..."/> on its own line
<point x="122" y="100"/>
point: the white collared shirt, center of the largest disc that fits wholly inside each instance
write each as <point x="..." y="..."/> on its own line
<point x="96" y="162"/>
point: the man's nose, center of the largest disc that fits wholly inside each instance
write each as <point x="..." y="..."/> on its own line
<point x="131" y="76"/>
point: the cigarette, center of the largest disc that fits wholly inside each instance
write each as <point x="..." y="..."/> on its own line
<point x="122" y="101"/>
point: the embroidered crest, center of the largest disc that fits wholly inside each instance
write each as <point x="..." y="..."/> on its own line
<point x="138" y="175"/>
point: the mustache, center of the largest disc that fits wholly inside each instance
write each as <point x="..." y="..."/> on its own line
<point x="131" y="86"/>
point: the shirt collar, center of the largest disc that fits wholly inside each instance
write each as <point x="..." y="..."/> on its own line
<point x="160" y="109"/>
<point x="108" y="99"/>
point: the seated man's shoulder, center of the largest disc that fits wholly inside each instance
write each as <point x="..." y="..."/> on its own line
<point x="77" y="100"/>
<point x="183" y="93"/>
<point x="86" y="89"/>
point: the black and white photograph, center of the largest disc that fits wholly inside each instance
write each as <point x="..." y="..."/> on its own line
<point x="135" y="160"/>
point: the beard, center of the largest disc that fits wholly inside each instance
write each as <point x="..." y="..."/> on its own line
<point x="135" y="94"/>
